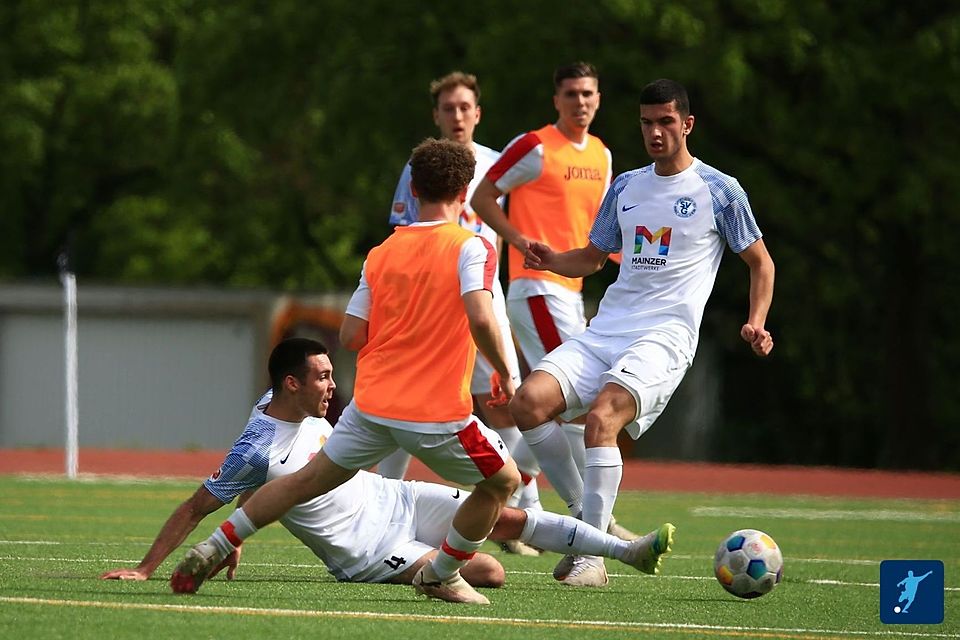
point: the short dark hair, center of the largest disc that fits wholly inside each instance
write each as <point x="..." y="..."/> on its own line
<point x="574" y="70"/>
<point x="453" y="80"/>
<point x="441" y="169"/>
<point x="289" y="358"/>
<point x="664" y="91"/>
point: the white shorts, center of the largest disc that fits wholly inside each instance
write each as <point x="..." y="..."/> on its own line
<point x="541" y="323"/>
<point x="648" y="367"/>
<point x="467" y="457"/>
<point x="421" y="522"/>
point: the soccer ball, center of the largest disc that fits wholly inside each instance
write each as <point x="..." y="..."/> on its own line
<point x="748" y="563"/>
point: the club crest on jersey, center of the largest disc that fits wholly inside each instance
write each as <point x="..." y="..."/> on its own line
<point x="216" y="474"/>
<point x="685" y="207"/>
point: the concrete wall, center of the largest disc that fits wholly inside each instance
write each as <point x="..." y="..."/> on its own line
<point x="157" y="368"/>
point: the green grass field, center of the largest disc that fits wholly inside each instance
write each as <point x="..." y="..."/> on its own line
<point x="56" y="537"/>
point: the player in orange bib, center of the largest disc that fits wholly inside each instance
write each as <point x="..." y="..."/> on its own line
<point x="423" y="294"/>
<point x="556" y="178"/>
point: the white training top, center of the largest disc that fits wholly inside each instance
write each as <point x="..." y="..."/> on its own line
<point x="344" y="527"/>
<point x="406" y="208"/>
<point x="672" y="230"/>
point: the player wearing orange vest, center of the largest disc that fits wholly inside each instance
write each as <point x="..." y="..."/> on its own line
<point x="423" y="294"/>
<point x="456" y="112"/>
<point x="556" y="177"/>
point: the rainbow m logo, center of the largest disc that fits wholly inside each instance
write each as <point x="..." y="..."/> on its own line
<point x="662" y="236"/>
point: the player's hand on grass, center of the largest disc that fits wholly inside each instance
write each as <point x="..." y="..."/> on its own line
<point x="125" y="574"/>
<point x="761" y="340"/>
<point x="230" y="562"/>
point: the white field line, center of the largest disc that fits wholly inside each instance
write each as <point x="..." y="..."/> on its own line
<point x="674" y="556"/>
<point x="486" y="620"/>
<point x="825" y="514"/>
<point x="275" y="565"/>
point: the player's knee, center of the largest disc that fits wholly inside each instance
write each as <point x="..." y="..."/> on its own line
<point x="496" y="576"/>
<point x="484" y="571"/>
<point x="503" y="483"/>
<point x="525" y="409"/>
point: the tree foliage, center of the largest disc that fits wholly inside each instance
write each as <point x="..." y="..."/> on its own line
<point x="258" y="143"/>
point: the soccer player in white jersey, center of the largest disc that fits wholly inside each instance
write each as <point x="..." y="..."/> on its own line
<point x="370" y="529"/>
<point x="672" y="220"/>
<point x="456" y="112"/>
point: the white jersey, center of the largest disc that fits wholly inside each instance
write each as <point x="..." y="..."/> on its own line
<point x="345" y="527"/>
<point x="672" y="230"/>
<point x="406" y="208"/>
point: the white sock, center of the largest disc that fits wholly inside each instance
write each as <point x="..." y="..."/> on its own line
<point x="394" y="465"/>
<point x="567" y="535"/>
<point x="574" y="433"/>
<point x="530" y="496"/>
<point x="522" y="455"/>
<point x="601" y="482"/>
<point x="550" y="446"/>
<point x="527" y="494"/>
<point x="231" y="534"/>
<point x="454" y="553"/>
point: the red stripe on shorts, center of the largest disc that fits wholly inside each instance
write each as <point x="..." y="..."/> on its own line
<point x="462" y="556"/>
<point x="543" y="321"/>
<point x="231" y="533"/>
<point x="525" y="478"/>
<point x="480" y="450"/>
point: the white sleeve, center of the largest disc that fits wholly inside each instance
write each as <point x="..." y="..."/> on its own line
<point x="521" y="162"/>
<point x="359" y="305"/>
<point x="477" y="265"/>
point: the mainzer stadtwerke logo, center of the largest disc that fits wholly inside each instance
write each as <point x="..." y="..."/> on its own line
<point x="911" y="592"/>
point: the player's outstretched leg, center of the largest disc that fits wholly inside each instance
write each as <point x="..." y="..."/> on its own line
<point x="453" y="589"/>
<point x="645" y="554"/>
<point x="195" y="567"/>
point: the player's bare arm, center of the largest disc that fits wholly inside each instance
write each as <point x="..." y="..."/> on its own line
<point x="762" y="271"/>
<point x="575" y="263"/>
<point x="175" y="530"/>
<point x="486" y="334"/>
<point x="353" y="332"/>
<point x="484" y="202"/>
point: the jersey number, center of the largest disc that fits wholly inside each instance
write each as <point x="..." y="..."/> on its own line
<point x="394" y="562"/>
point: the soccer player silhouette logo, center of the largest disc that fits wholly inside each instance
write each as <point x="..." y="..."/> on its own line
<point x="909" y="584"/>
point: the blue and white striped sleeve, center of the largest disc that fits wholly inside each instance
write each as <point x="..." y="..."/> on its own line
<point x="731" y="210"/>
<point x="605" y="234"/>
<point x="405" y="209"/>
<point x="246" y="465"/>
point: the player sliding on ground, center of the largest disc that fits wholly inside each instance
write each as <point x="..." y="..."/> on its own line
<point x="370" y="529"/>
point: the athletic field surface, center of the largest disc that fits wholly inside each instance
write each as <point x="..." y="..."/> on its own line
<point x="834" y="528"/>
